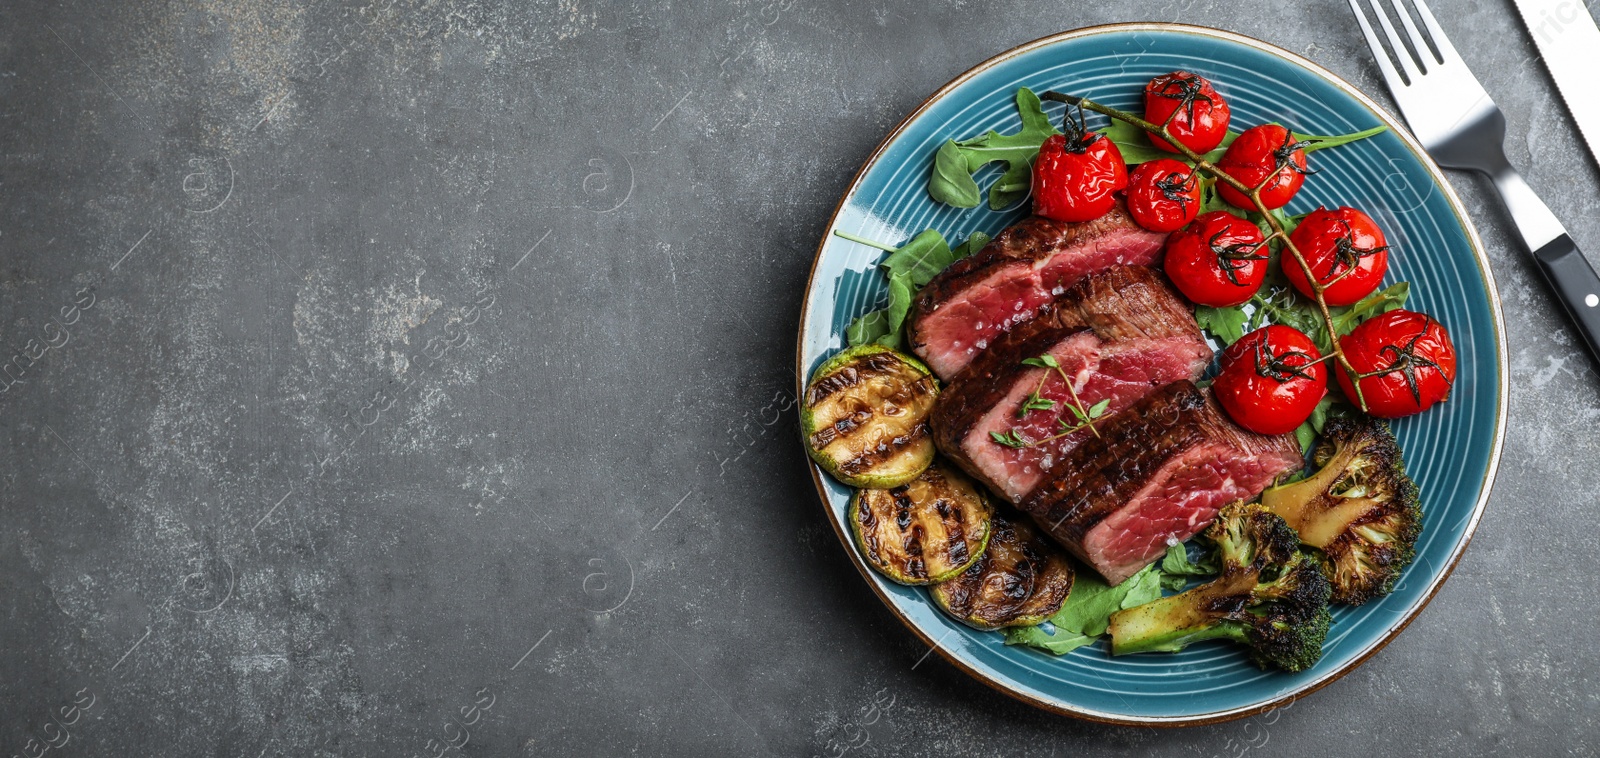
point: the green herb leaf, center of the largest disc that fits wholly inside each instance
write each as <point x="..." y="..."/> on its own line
<point x="1306" y="436"/>
<point x="908" y="268"/>
<point x="1034" y="403"/>
<point x="1345" y="320"/>
<point x="868" y="328"/>
<point x="974" y="242"/>
<point x="1146" y="587"/>
<point x="951" y="182"/>
<point x="1278" y="303"/>
<point x="1060" y="643"/>
<point x="900" y="291"/>
<point x="1083" y="618"/>
<point x="1135" y="145"/>
<point x="1009" y="439"/>
<point x="1322" y="143"/>
<point x="1013" y="185"/>
<point x="1044" y="361"/>
<point x="971" y="155"/>
<point x="920" y="260"/>
<point x="1226" y="324"/>
<point x="1177" y="563"/>
<point x="1332" y="405"/>
<point x="1211" y="199"/>
<point x="1098" y="409"/>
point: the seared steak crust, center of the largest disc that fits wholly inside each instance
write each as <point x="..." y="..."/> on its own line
<point x="1126" y="302"/>
<point x="980" y="297"/>
<point x="1169" y="434"/>
<point x="1120" y="333"/>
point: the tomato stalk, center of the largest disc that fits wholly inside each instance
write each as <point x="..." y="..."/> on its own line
<point x="1254" y="193"/>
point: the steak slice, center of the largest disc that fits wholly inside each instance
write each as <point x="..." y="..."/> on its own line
<point x="984" y="295"/>
<point x="1159" y="471"/>
<point x="1120" y="334"/>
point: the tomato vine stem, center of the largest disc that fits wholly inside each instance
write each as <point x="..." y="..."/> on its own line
<point x="1254" y="193"/>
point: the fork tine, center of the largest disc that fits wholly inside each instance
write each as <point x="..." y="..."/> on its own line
<point x="1425" y="58"/>
<point x="1447" y="51"/>
<point x="1385" y="65"/>
<point x="1407" y="64"/>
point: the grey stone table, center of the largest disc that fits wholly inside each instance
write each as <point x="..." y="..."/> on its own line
<point x="401" y="373"/>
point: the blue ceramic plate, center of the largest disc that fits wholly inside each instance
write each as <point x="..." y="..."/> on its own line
<point x="1451" y="451"/>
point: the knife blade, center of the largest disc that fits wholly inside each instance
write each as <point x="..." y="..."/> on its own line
<point x="1569" y="42"/>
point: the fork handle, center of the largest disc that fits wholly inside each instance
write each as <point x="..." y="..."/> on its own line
<point x="1575" y="282"/>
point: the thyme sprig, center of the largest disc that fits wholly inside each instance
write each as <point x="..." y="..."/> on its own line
<point x="1083" y="417"/>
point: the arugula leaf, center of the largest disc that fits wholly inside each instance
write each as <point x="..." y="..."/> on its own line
<point x="1278" y="303"/>
<point x="1083" y="618"/>
<point x="1345" y="320"/>
<point x="1135" y="145"/>
<point x="1146" y="587"/>
<point x="1061" y="642"/>
<point x="919" y="260"/>
<point x="900" y="291"/>
<point x="1226" y="324"/>
<point x="868" y="328"/>
<point x="1322" y="143"/>
<point x="1211" y="199"/>
<point x="1332" y="405"/>
<point x="975" y="241"/>
<point x="951" y="180"/>
<point x="1306" y="435"/>
<point x="885" y="325"/>
<point x="908" y="267"/>
<point x="1289" y="222"/>
<point x="1177" y="563"/>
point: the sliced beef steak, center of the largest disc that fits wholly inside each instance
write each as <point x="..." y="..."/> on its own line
<point x="1159" y="471"/>
<point x="1119" y="334"/>
<point x="980" y="297"/>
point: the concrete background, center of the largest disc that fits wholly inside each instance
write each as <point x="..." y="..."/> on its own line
<point x="431" y="360"/>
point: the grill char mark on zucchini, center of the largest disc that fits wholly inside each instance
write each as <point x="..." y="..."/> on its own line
<point x="925" y="531"/>
<point x="865" y="417"/>
<point x="1019" y="580"/>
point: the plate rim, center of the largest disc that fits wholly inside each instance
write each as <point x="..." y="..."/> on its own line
<point x="1501" y="385"/>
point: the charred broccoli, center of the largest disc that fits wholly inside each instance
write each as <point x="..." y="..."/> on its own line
<point x="1270" y="596"/>
<point x="1359" y="509"/>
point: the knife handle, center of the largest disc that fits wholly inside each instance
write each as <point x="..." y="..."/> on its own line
<point x="1575" y="282"/>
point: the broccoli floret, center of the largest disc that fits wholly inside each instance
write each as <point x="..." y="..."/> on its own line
<point x="1270" y="596"/>
<point x="1359" y="510"/>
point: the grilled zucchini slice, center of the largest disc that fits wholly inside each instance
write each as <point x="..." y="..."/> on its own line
<point x="1020" y="580"/>
<point x="866" y="417"/>
<point x="925" y="531"/>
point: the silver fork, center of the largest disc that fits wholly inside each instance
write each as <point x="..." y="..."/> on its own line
<point x="1461" y="127"/>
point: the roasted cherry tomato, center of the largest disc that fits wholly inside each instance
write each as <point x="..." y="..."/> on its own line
<point x="1077" y="174"/>
<point x="1163" y="195"/>
<point x="1217" y="260"/>
<point x="1410" y="358"/>
<point x="1202" y="114"/>
<point x="1265" y="156"/>
<point x="1270" y="380"/>
<point x="1346" y="252"/>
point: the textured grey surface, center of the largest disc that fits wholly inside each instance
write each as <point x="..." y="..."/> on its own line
<point x="432" y="356"/>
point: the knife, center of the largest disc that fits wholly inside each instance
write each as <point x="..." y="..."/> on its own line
<point x="1569" y="43"/>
